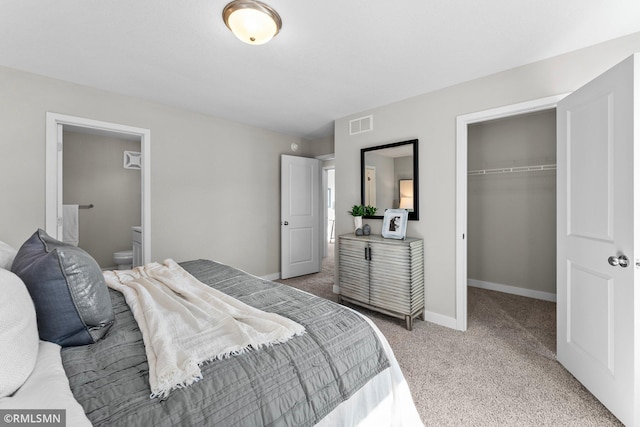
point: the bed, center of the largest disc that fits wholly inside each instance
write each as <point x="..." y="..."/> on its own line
<point x="340" y="372"/>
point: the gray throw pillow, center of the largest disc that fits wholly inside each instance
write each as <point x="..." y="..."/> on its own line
<point x="71" y="298"/>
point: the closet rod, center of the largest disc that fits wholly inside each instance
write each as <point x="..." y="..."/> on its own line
<point x="85" y="206"/>
<point x="533" y="168"/>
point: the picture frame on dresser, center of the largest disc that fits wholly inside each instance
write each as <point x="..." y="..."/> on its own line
<point x="394" y="224"/>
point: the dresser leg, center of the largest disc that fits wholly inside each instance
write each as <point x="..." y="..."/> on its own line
<point x="409" y="322"/>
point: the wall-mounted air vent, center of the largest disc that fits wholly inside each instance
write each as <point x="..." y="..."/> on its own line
<point x="132" y="160"/>
<point x="362" y="124"/>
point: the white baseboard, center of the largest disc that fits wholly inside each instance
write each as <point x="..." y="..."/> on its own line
<point x="440" y="319"/>
<point x="274" y="276"/>
<point x="546" y="296"/>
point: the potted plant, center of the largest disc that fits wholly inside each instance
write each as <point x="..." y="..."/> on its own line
<point x="357" y="211"/>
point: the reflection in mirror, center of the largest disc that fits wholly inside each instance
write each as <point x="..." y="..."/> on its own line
<point x="389" y="176"/>
<point x="406" y="194"/>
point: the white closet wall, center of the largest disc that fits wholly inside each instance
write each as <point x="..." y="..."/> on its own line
<point x="512" y="204"/>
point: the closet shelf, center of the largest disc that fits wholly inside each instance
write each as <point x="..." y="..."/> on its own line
<point x="533" y="168"/>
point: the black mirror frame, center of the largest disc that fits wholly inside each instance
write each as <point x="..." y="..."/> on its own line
<point x="415" y="215"/>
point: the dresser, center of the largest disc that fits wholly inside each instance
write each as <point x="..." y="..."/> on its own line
<point x="385" y="275"/>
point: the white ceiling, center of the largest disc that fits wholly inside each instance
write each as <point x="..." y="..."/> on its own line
<point x="332" y="58"/>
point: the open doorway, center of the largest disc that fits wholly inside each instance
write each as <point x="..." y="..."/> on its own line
<point x="56" y="125"/>
<point x="463" y="123"/>
<point x="330" y="223"/>
<point x="329" y="262"/>
<point x="511" y="226"/>
<point x="102" y="193"/>
<point x="511" y="205"/>
<point x="329" y="208"/>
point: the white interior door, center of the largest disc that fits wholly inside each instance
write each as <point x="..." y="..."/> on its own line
<point x="301" y="216"/>
<point x="598" y="308"/>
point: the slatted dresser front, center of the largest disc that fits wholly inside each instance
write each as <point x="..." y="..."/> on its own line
<point x="385" y="275"/>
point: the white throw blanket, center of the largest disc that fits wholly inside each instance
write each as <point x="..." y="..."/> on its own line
<point x="185" y="323"/>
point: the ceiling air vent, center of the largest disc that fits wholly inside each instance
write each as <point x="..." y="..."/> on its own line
<point x="362" y="124"/>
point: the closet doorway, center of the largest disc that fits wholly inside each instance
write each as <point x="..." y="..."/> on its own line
<point x="462" y="196"/>
<point x="56" y="125"/>
<point x="511" y="205"/>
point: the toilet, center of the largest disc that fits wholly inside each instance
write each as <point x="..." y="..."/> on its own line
<point x="123" y="259"/>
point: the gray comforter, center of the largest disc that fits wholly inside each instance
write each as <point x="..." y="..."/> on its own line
<point x="292" y="384"/>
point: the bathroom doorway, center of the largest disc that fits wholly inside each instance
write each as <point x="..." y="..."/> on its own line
<point x="106" y="189"/>
<point x="57" y="125"/>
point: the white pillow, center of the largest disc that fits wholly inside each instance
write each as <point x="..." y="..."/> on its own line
<point x="48" y="388"/>
<point x="18" y="333"/>
<point x="7" y="254"/>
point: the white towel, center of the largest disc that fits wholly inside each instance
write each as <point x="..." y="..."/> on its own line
<point x="185" y="323"/>
<point x="70" y="224"/>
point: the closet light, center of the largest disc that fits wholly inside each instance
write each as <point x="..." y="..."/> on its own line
<point x="252" y="21"/>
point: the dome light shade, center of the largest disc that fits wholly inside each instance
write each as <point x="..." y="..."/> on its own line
<point x="251" y="21"/>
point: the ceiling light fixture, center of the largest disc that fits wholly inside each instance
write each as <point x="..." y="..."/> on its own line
<point x="252" y="21"/>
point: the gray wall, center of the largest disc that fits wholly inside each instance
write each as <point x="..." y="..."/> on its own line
<point x="319" y="147"/>
<point x="431" y="118"/>
<point x="94" y="174"/>
<point x="215" y="184"/>
<point x="511" y="218"/>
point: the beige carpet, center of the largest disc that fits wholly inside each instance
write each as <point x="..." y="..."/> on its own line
<point x="501" y="372"/>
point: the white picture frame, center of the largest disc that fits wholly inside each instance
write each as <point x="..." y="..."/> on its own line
<point x="394" y="225"/>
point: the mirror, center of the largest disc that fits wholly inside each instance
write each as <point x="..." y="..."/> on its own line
<point x="389" y="175"/>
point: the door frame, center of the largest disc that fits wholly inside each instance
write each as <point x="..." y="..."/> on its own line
<point x="325" y="208"/>
<point x="325" y="158"/>
<point x="53" y="169"/>
<point x="462" y="123"/>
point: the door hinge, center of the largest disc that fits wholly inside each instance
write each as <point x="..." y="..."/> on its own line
<point x="59" y="146"/>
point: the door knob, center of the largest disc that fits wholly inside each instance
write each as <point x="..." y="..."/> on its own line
<point x="286" y="223"/>
<point x="621" y="261"/>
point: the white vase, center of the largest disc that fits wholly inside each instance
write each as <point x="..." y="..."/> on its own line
<point x="357" y="223"/>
